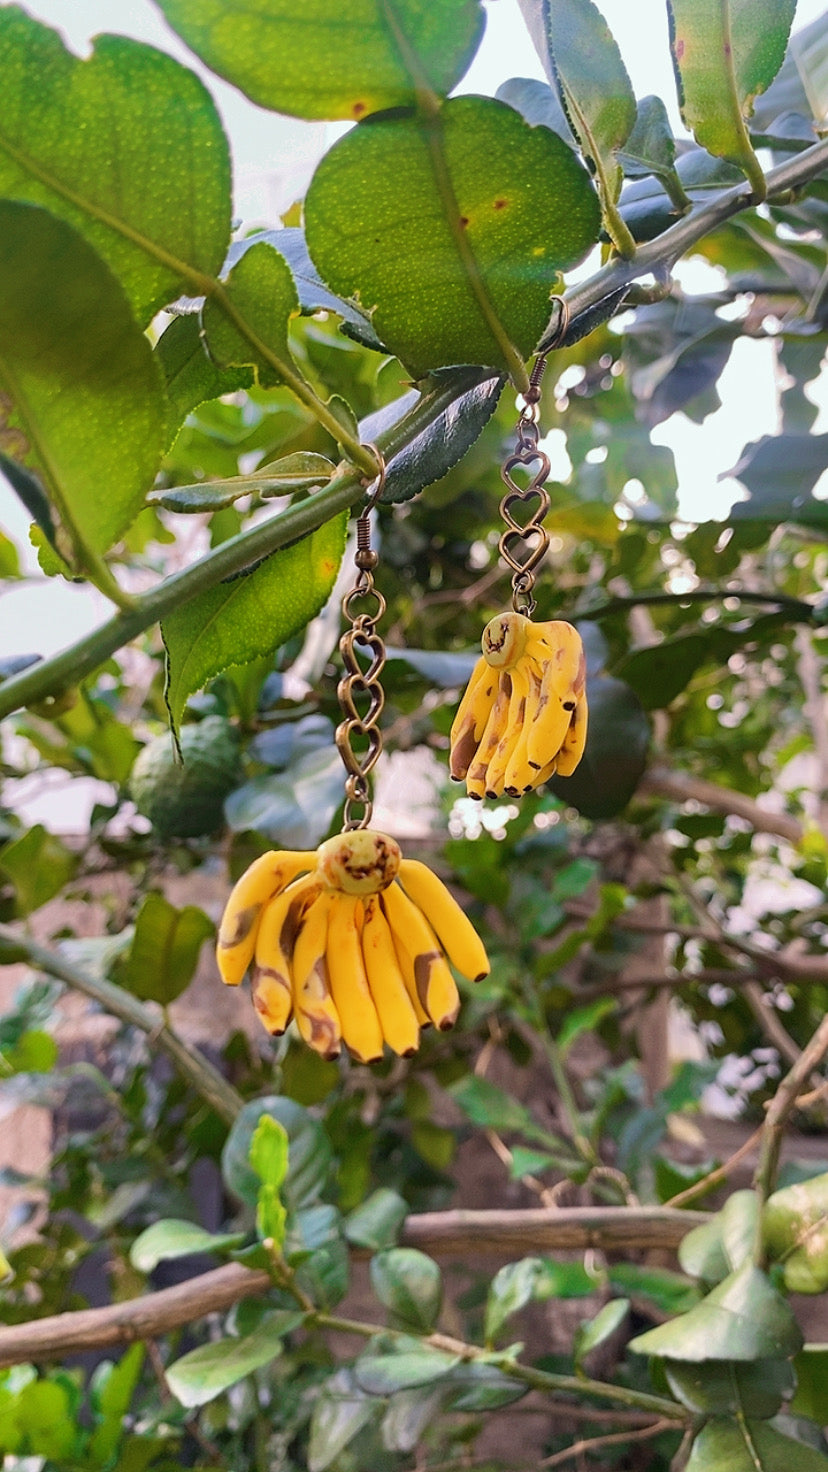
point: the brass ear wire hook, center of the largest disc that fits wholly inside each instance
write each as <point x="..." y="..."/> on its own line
<point x="358" y="683"/>
<point x="524" y="543"/>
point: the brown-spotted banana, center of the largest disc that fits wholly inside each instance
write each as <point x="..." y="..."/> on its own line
<point x="350" y="942"/>
<point x="523" y="716"/>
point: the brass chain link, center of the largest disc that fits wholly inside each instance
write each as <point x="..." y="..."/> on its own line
<point x="363" y="606"/>
<point x="525" y="542"/>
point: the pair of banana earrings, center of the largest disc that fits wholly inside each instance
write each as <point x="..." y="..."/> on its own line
<point x="352" y="941"/>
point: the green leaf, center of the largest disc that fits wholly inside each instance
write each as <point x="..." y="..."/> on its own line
<point x="300" y="472"/>
<point x="670" y="1292"/>
<point x="164" y="952"/>
<point x="618" y="740"/>
<point x="725" y="52"/>
<point x="756" y="1389"/>
<point x="173" y="1238"/>
<point x="111" y="1392"/>
<point x="452" y="232"/>
<point x="382" y="1374"/>
<point x="702" y="1253"/>
<point x="333" y="58"/>
<point x="489" y="1107"/>
<point x="315" y="1245"/>
<point x="744" y="1318"/>
<point x="189" y="372"/>
<point x="780" y="472"/>
<point x="84" y="138"/>
<point x="205" y="1372"/>
<point x="339" y="1414"/>
<point x="581" y="55"/>
<point x="584" y="1019"/>
<point x="481" y="1387"/>
<point x="801" y="85"/>
<point x="739" y="1222"/>
<point x="795" y="1231"/>
<point x="376" y="1222"/>
<point x="512" y="1287"/>
<point x="34" y="1051"/>
<point x="250" y="615"/>
<point x="590" y="1335"/>
<point x="409" y="1415"/>
<point x="409" y="1285"/>
<point x="44" y="1416"/>
<point x="260" y="290"/>
<point x="309" y="1153"/>
<point x="811" y="1368"/>
<point x="38" y="865"/>
<point x="269" y="1159"/>
<point x="651" y="149"/>
<point x="732" y="1446"/>
<point x="82" y="396"/>
<point x="470" y="399"/>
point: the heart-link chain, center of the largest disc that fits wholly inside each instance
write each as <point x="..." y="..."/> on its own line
<point x="525" y="541"/>
<point x="363" y="606"/>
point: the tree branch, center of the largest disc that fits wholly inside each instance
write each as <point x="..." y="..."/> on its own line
<point x="680" y="787"/>
<point x="780" y="1109"/>
<point x="441" y="1233"/>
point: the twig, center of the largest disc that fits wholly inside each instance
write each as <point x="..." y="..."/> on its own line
<point x="597" y="1443"/>
<point x="721" y="1173"/>
<point x="780" y="1108"/>
<point x="765" y="1015"/>
<point x="443" y="1234"/>
<point x="204" y="1078"/>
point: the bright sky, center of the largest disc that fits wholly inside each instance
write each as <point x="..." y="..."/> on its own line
<point x="274" y="159"/>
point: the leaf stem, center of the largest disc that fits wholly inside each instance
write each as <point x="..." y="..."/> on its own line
<point x="203" y="1077"/>
<point x="801" y="611"/>
<point x="538" y="1379"/>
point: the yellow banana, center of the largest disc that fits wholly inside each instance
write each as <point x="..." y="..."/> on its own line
<point x="242" y="913"/>
<point x="519" y="777"/>
<point x="271" y="979"/>
<point x="564" y="677"/>
<point x="316" y="1016"/>
<point x="575" y="740"/>
<point x="455" y="932"/>
<point x="472" y="714"/>
<point x="395" y="1010"/>
<point x="424" y="967"/>
<point x="476" y="783"/>
<point x="361" y="1031"/>
<point x="511" y="732"/>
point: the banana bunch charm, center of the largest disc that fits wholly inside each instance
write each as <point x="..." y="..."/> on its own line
<point x="523" y="716"/>
<point x="352" y="942"/>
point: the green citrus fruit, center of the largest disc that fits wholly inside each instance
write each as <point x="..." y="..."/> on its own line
<point x="186" y="800"/>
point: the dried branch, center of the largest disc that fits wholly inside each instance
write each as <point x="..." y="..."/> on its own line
<point x="447" y="1233"/>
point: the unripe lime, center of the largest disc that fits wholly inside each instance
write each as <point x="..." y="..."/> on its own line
<point x="186" y="800"/>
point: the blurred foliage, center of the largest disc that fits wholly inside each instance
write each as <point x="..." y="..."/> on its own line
<point x="688" y="853"/>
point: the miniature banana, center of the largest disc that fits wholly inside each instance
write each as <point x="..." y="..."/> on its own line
<point x="454" y="929"/>
<point x="422" y="962"/>
<point x="395" y="1010"/>
<point x="316" y="1016"/>
<point x="513" y="732"/>
<point x="237" y="932"/>
<point x="337" y="944"/>
<point x="361" y="1031"/>
<point x="271" y="976"/>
